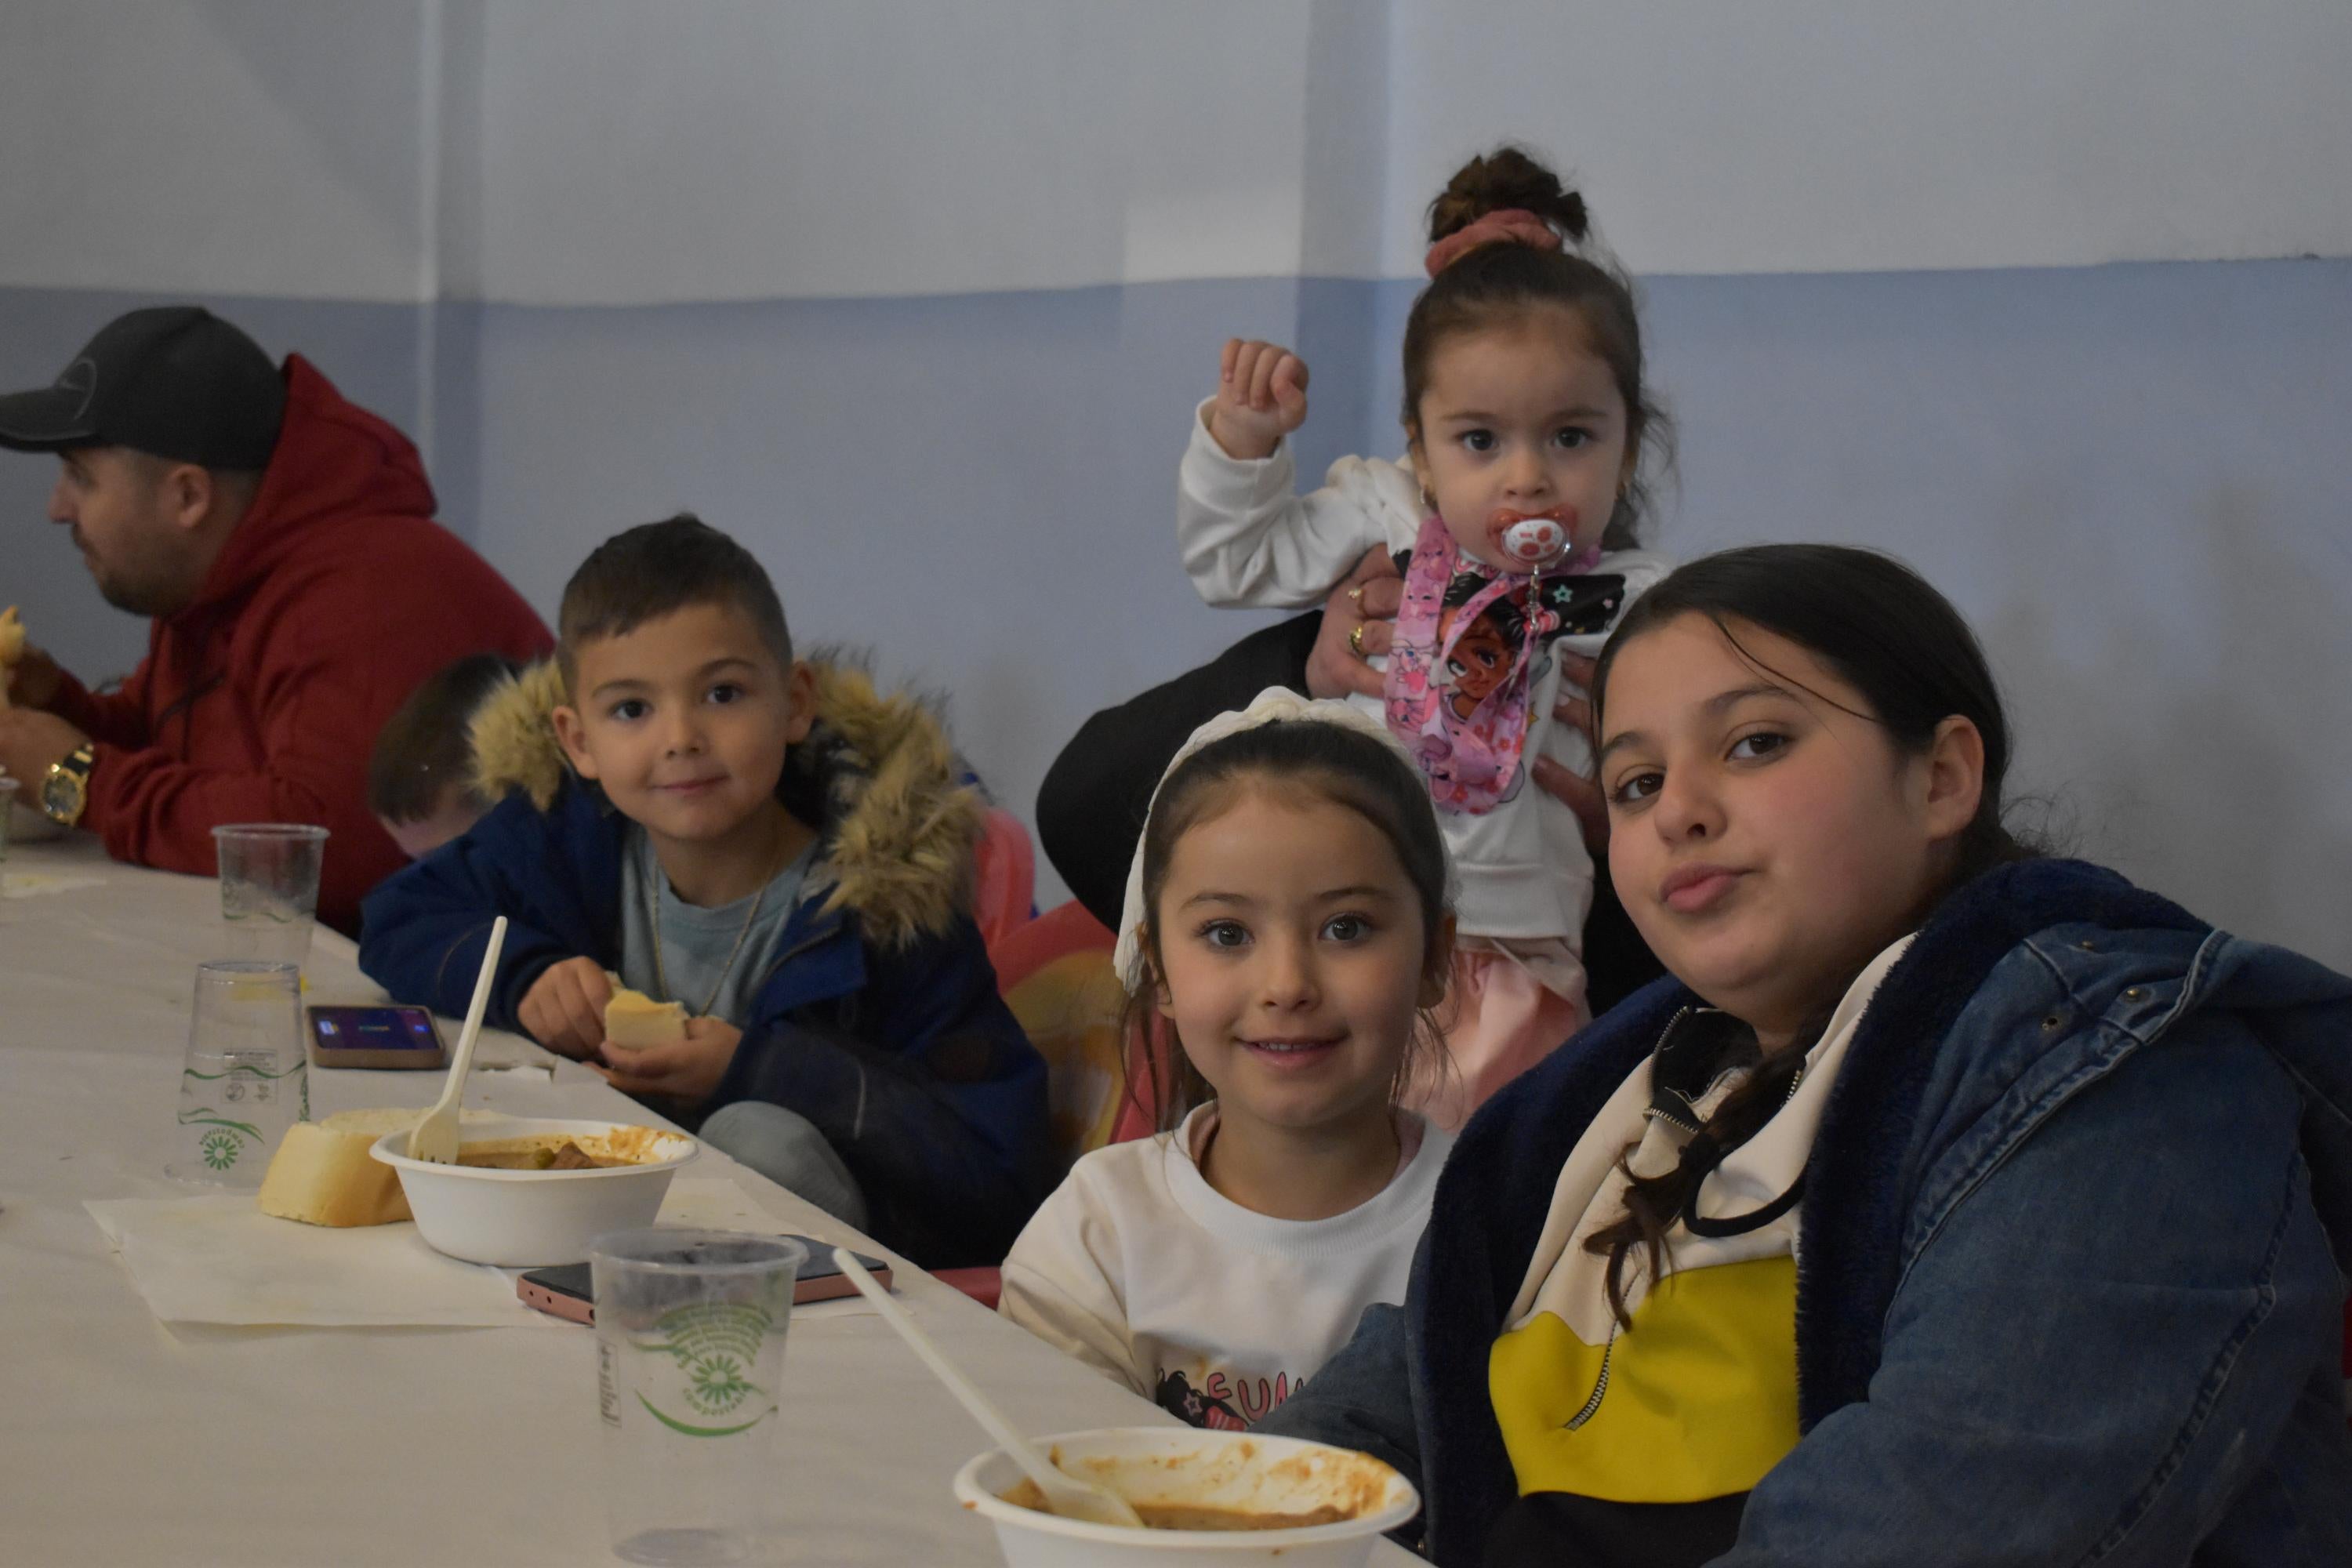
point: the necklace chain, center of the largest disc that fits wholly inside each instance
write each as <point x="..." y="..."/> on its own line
<point x="661" y="977"/>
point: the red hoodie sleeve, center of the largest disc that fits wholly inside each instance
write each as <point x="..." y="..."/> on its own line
<point x="335" y="660"/>
<point x="118" y="718"/>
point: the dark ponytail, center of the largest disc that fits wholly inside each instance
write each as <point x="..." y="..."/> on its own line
<point x="1498" y="181"/>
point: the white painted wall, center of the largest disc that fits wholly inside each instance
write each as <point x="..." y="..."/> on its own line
<point x="1716" y="136"/>
<point x="929" y="148"/>
<point x="263" y="147"/>
<point x="607" y="151"/>
<point x="746" y="150"/>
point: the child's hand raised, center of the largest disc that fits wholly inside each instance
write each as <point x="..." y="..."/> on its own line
<point x="1261" y="398"/>
<point x="564" y="1008"/>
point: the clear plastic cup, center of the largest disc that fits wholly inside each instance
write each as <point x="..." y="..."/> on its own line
<point x="243" y="1080"/>
<point x="689" y="1351"/>
<point x="270" y="888"/>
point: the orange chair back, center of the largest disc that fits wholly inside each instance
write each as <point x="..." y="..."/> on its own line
<point x="1055" y="974"/>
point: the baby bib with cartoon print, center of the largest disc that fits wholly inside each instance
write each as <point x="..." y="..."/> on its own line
<point x="1469" y="644"/>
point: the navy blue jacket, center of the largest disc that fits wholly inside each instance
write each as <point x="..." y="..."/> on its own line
<point x="2069" y="1288"/>
<point x="884" y="1029"/>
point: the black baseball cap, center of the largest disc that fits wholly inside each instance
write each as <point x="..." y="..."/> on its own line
<point x="172" y="380"/>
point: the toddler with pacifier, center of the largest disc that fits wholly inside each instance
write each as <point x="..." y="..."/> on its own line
<point x="1513" y="518"/>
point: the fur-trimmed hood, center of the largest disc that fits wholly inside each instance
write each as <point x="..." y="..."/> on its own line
<point x="878" y="778"/>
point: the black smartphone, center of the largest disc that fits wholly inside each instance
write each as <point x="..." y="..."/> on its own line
<point x="375" y="1037"/>
<point x="566" y="1292"/>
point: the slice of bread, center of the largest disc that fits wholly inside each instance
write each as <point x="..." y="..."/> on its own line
<point x="12" y="648"/>
<point x="634" y="1020"/>
<point x="322" y="1174"/>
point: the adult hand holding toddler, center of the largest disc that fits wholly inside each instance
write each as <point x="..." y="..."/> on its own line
<point x="1358" y="622"/>
<point x="1578" y="791"/>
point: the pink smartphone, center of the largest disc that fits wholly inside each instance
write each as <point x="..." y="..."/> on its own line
<point x="565" y="1291"/>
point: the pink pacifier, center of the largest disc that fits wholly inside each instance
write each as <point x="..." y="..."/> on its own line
<point x="1535" y="541"/>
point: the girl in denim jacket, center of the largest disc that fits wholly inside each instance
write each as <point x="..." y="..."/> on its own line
<point x="1945" y="1204"/>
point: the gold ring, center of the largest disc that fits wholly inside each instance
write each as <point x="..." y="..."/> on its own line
<point x="1356" y="594"/>
<point x="1355" y="641"/>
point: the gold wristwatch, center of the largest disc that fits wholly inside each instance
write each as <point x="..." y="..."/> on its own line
<point x="66" y="791"/>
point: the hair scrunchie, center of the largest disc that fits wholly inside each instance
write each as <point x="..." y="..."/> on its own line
<point x="1507" y="225"/>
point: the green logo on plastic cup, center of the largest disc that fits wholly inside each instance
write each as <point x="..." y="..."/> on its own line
<point x="713" y="1343"/>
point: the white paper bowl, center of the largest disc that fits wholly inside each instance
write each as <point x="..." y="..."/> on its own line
<point x="1214" y="1470"/>
<point x="530" y="1219"/>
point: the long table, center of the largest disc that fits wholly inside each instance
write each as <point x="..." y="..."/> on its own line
<point x="127" y="1441"/>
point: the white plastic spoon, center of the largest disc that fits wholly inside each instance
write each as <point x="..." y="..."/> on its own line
<point x="435" y="1137"/>
<point x="1065" y="1493"/>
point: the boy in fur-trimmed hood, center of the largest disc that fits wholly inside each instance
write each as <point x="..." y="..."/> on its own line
<point x="770" y="842"/>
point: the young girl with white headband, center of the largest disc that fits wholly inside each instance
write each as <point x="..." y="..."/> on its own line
<point x="1287" y="913"/>
<point x="1513" y="517"/>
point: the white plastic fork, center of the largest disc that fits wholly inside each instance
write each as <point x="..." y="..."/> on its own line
<point x="435" y="1138"/>
<point x="1065" y="1493"/>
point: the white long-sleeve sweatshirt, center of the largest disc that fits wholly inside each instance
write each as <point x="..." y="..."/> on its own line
<point x="1251" y="541"/>
<point x="1140" y="1269"/>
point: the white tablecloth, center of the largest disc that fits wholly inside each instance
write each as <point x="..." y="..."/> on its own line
<point x="127" y="1441"/>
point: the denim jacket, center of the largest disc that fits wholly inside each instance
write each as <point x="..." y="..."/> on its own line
<point x="2068" y="1290"/>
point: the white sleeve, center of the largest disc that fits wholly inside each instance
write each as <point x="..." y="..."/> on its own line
<point x="1061" y="1283"/>
<point x="1251" y="541"/>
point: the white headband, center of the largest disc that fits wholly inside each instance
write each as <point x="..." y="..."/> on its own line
<point x="1275" y="705"/>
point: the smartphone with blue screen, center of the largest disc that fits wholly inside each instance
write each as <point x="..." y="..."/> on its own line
<point x="391" y="1038"/>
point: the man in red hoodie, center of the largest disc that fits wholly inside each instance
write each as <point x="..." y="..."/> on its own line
<point x="283" y="541"/>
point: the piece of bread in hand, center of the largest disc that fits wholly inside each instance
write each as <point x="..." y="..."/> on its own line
<point x="322" y="1174"/>
<point x="12" y="648"/>
<point x="634" y="1021"/>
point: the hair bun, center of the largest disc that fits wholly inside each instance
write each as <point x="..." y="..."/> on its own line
<point x="1498" y="181"/>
